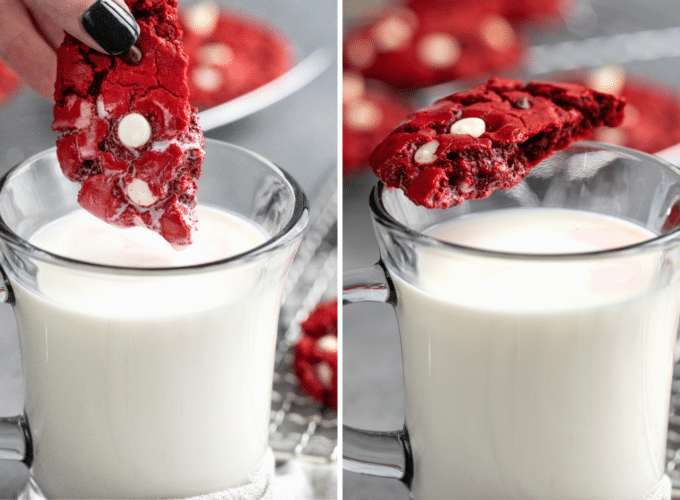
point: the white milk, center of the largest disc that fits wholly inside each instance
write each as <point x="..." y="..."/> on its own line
<point x="148" y="387"/>
<point x="545" y="381"/>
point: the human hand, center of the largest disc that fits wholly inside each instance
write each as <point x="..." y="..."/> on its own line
<point x="31" y="31"/>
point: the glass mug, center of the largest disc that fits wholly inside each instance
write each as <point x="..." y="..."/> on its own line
<point x="531" y="375"/>
<point x="160" y="387"/>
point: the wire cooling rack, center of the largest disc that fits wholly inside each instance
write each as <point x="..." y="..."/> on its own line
<point x="301" y="427"/>
<point x="673" y="443"/>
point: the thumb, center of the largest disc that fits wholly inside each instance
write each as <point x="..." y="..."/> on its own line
<point x="106" y="25"/>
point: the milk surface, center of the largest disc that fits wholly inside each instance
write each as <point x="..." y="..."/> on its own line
<point x="81" y="236"/>
<point x="152" y="385"/>
<point x="536" y="380"/>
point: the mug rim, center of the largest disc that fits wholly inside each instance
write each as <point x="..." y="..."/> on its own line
<point x="382" y="217"/>
<point x="291" y="230"/>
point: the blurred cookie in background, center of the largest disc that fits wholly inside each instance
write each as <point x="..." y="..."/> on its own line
<point x="534" y="11"/>
<point x="315" y="360"/>
<point x="370" y="111"/>
<point x="230" y="53"/>
<point x="426" y="42"/>
<point x="652" y="115"/>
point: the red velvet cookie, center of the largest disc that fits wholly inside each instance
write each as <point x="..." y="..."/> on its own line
<point x="652" y="121"/>
<point x="230" y="53"/>
<point x="515" y="11"/>
<point x="537" y="11"/>
<point x="127" y="131"/>
<point x="426" y="43"/>
<point x="370" y="111"/>
<point x="316" y="354"/>
<point x="471" y="143"/>
<point x="9" y="83"/>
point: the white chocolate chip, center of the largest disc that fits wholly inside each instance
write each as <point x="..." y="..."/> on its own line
<point x="360" y="53"/>
<point x="439" y="50"/>
<point x="362" y="115"/>
<point x="323" y="370"/>
<point x="208" y="79"/>
<point x="608" y="79"/>
<point x="101" y="109"/>
<point x="140" y="193"/>
<point x="472" y="126"/>
<point x="217" y="54"/>
<point x="134" y="130"/>
<point x="497" y="32"/>
<point x="327" y="343"/>
<point x="202" y="18"/>
<point x="425" y="153"/>
<point x="353" y="87"/>
<point x="392" y="33"/>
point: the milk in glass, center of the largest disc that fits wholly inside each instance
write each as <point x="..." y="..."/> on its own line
<point x="145" y="386"/>
<point x="537" y="379"/>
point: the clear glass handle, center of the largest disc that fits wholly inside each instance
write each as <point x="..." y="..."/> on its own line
<point x="15" y="440"/>
<point x="367" y="284"/>
<point x="385" y="454"/>
<point x="374" y="453"/>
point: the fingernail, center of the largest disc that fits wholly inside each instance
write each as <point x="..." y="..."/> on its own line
<point x="132" y="57"/>
<point x="111" y="26"/>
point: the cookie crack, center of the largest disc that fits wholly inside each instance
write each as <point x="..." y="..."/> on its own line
<point x="95" y="87"/>
<point x="160" y="85"/>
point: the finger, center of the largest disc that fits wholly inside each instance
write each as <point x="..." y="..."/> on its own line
<point x="48" y="29"/>
<point x="24" y="50"/>
<point x="106" y="25"/>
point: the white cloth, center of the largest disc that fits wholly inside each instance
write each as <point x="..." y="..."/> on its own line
<point x="261" y="485"/>
<point x="662" y="491"/>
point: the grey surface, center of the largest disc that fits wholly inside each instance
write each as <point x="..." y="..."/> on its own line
<point x="298" y="133"/>
<point x="373" y="377"/>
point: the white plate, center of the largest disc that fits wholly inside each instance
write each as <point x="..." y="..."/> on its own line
<point x="293" y="80"/>
<point x="303" y="23"/>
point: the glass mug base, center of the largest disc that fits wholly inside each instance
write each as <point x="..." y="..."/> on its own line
<point x="260" y="487"/>
<point x="661" y="491"/>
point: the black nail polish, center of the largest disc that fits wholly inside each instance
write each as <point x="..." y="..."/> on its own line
<point x="111" y="26"/>
<point x="132" y="57"/>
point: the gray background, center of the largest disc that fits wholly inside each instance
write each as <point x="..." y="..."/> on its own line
<point x="373" y="378"/>
<point x="298" y="133"/>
